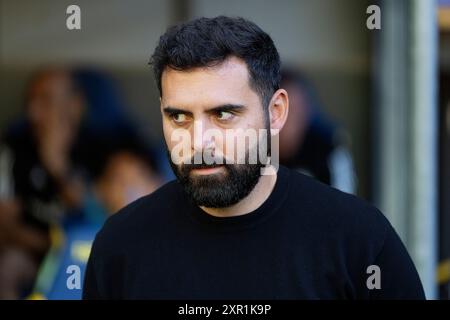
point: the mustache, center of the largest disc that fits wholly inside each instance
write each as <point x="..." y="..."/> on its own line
<point x="202" y="165"/>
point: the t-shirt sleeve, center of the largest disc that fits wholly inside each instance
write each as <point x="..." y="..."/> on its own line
<point x="398" y="276"/>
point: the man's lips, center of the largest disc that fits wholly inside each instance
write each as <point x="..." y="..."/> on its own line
<point x="208" y="170"/>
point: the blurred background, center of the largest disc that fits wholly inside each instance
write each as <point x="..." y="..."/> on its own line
<point x="80" y="128"/>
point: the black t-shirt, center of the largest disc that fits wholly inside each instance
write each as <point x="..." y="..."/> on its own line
<point x="306" y="241"/>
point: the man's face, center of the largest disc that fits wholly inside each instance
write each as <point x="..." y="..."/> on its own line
<point x="206" y="104"/>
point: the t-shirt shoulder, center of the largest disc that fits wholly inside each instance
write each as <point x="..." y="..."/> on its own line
<point x="342" y="215"/>
<point x="325" y="198"/>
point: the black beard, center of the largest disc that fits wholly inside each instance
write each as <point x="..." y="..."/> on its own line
<point x="218" y="190"/>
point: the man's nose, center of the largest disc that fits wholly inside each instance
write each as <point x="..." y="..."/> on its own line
<point x="202" y="141"/>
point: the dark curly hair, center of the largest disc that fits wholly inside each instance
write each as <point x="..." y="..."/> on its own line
<point x="206" y="42"/>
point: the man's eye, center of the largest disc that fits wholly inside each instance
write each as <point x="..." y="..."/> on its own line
<point x="225" y="116"/>
<point x="179" y="118"/>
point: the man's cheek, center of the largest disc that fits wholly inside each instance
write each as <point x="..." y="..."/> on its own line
<point x="180" y="146"/>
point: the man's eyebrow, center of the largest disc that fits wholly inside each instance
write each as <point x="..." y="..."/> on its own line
<point x="173" y="110"/>
<point x="224" y="107"/>
<point x="227" y="107"/>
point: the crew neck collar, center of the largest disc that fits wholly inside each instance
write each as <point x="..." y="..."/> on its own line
<point x="266" y="209"/>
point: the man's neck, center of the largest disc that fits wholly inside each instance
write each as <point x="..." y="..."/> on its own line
<point x="253" y="201"/>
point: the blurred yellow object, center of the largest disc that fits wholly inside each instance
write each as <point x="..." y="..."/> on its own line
<point x="56" y="236"/>
<point x="36" y="296"/>
<point x="444" y="19"/>
<point x="80" y="250"/>
<point x="443" y="272"/>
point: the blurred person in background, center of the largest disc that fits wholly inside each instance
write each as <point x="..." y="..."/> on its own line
<point x="72" y="118"/>
<point x="53" y="179"/>
<point x="127" y="173"/>
<point x="38" y="176"/>
<point x="108" y="121"/>
<point x="310" y="142"/>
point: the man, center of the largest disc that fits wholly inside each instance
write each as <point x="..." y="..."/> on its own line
<point x="223" y="230"/>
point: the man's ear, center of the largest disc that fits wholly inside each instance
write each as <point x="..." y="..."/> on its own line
<point x="278" y="110"/>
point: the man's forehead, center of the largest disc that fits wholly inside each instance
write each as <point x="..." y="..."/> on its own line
<point x="220" y="83"/>
<point x="231" y="65"/>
